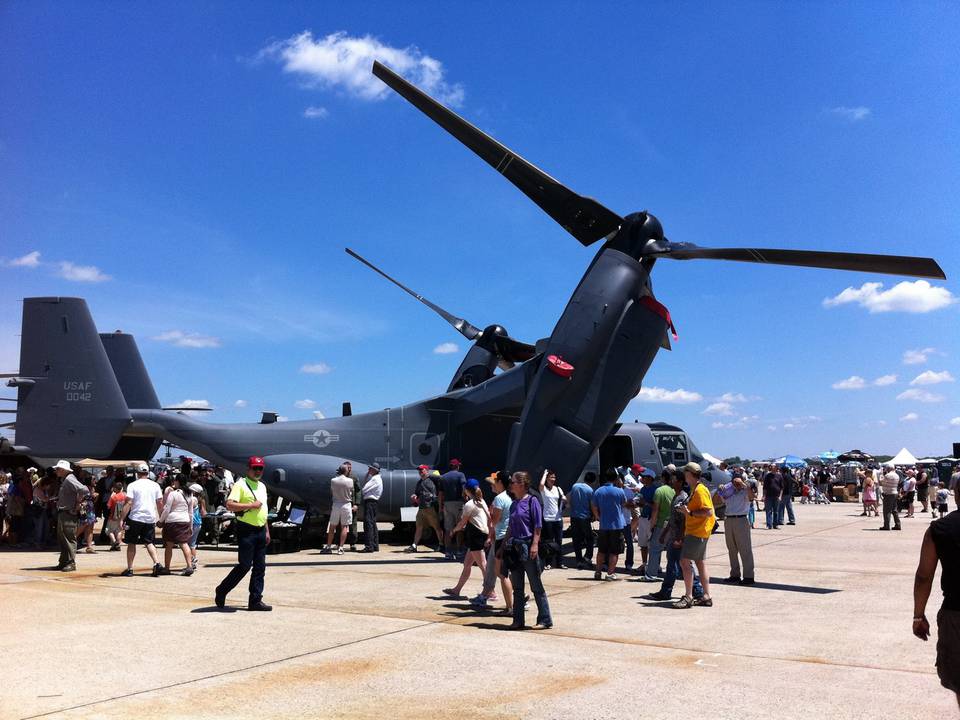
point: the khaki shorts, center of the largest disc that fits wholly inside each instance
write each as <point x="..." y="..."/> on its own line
<point x="340" y="515"/>
<point x="451" y="514"/>
<point x="693" y="548"/>
<point x="643" y="532"/>
<point x="427" y="517"/>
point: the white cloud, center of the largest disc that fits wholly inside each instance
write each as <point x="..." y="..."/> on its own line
<point x="339" y="61"/>
<point x="187" y="340"/>
<point x="730" y="397"/>
<point x="920" y="396"/>
<point x="719" y="408"/>
<point x="788" y="426"/>
<point x="318" y="415"/>
<point x="320" y="368"/>
<point x="918" y="296"/>
<point x="30" y="260"/>
<point x="955" y="422"/>
<point x="854" y="382"/>
<point x="305" y="404"/>
<point x="315" y="112"/>
<point x="240" y="404"/>
<point x="446" y="348"/>
<point x="917" y="357"/>
<point x="660" y="395"/>
<point x="852" y="114"/>
<point x="909" y="417"/>
<point x="81" y="273"/>
<point x="884" y="380"/>
<point x="201" y="404"/>
<point x="743" y="422"/>
<point x="929" y="377"/>
<point x="772" y="428"/>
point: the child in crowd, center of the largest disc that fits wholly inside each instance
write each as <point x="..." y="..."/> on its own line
<point x="943" y="496"/>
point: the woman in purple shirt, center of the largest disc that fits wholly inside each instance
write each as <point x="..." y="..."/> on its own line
<point x="520" y="552"/>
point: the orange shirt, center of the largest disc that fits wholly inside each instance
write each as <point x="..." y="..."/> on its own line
<point x="700" y="525"/>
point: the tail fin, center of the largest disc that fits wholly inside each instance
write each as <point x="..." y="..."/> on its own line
<point x="130" y="371"/>
<point x="69" y="403"/>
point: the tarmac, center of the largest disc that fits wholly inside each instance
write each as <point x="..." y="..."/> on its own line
<point x="825" y="633"/>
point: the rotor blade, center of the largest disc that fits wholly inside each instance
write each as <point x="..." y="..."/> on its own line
<point x="889" y="264"/>
<point x="583" y="217"/>
<point x="459" y="324"/>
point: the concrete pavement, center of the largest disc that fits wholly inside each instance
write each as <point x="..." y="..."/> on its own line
<point x="824" y="633"/>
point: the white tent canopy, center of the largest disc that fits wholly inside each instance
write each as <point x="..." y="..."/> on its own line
<point x="904" y="457"/>
<point x="716" y="461"/>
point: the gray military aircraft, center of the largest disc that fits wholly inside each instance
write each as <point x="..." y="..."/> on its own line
<point x="554" y="403"/>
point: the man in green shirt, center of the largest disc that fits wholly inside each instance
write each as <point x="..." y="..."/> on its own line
<point x="660" y="515"/>
<point x="248" y="499"/>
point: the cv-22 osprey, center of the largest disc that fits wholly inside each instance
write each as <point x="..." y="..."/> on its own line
<point x="555" y="403"/>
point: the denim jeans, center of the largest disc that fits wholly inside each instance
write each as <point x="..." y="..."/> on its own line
<point x="531" y="569"/>
<point x="654" y="552"/>
<point x="786" y="503"/>
<point x="251" y="553"/>
<point x="582" y="534"/>
<point x="673" y="572"/>
<point x="772" y="509"/>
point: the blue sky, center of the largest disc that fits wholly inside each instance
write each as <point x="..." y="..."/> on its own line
<point x="195" y="171"/>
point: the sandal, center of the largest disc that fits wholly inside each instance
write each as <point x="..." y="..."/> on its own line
<point x="706" y="601"/>
<point x="683" y="603"/>
<point x="452" y="593"/>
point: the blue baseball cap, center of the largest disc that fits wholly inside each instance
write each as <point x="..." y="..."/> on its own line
<point x="472" y="484"/>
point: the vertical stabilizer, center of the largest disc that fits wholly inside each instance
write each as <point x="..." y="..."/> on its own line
<point x="69" y="403"/>
<point x="130" y="371"/>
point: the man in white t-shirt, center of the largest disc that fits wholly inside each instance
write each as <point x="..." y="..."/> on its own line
<point x="341" y="508"/>
<point x="140" y="512"/>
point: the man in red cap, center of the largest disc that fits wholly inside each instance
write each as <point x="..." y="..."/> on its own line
<point x="452" y="483"/>
<point x="425" y="497"/>
<point x="248" y="499"/>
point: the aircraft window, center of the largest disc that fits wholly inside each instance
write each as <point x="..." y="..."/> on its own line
<point x="425" y="448"/>
<point x="672" y="447"/>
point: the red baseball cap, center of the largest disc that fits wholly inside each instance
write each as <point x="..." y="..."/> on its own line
<point x="454" y="462"/>
<point x="423" y="467"/>
<point x="255" y="461"/>
<point x="637" y="468"/>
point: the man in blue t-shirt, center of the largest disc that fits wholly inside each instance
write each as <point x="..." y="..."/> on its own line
<point x="581" y="514"/>
<point x="451" y="487"/>
<point x="608" y="503"/>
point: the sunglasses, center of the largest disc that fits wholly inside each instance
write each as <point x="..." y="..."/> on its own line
<point x="256" y="469"/>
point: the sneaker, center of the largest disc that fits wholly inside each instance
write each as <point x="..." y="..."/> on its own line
<point x="188" y="572"/>
<point x="611" y="577"/>
<point x="548" y="567"/>
<point x="68" y="568"/>
<point x="219" y="600"/>
<point x="543" y="626"/>
<point x="597" y="575"/>
<point x="683" y="603"/>
<point x="259" y="607"/>
<point x="353" y="548"/>
<point x="659" y="596"/>
<point x="339" y="551"/>
<point x="89" y="551"/>
<point x="703" y="602"/>
<point x="747" y="581"/>
<point x="450" y="592"/>
<point x="732" y="579"/>
<point x="163" y="571"/>
<point x="478" y="602"/>
<point x="127" y="573"/>
<point x="648" y="578"/>
<point x="326" y="550"/>
<point x="193" y="563"/>
<point x="410" y="548"/>
<point x="156" y="569"/>
<point x="115" y="546"/>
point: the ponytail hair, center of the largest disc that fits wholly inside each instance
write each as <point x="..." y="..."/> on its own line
<point x="477" y="495"/>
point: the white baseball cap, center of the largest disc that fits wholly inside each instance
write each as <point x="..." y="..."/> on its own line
<point x="63" y="465"/>
<point x="143" y="467"/>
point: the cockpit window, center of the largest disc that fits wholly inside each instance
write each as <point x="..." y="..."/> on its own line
<point x="673" y="448"/>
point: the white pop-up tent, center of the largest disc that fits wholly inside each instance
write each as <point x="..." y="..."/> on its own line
<point x="904" y="457"/>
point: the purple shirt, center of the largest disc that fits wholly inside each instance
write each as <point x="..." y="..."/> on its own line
<point x="525" y="517"/>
